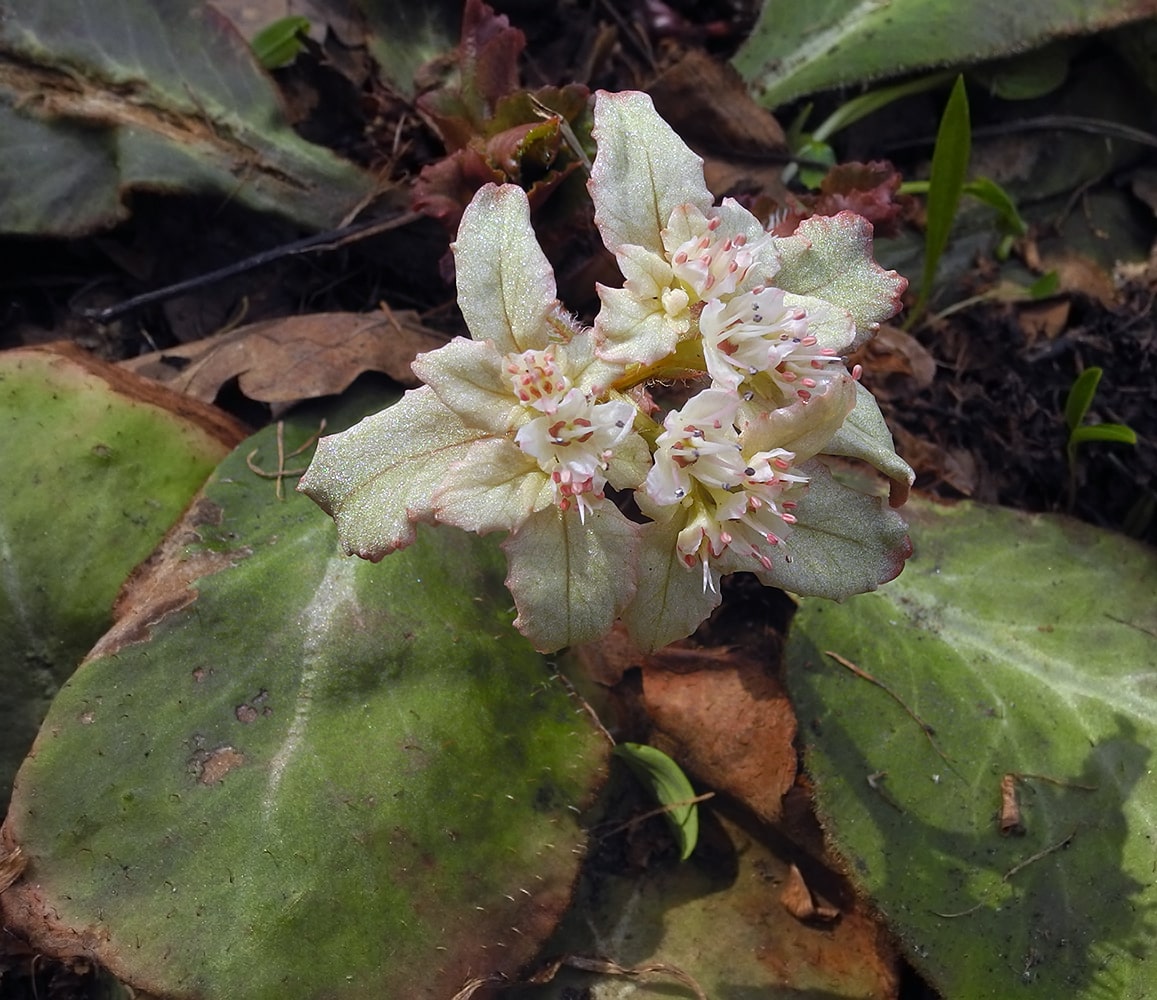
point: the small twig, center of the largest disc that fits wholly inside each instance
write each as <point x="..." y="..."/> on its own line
<point x="1037" y="857"/>
<point x="282" y="472"/>
<point x="331" y="240"/>
<point x="1139" y="628"/>
<point x="571" y="690"/>
<point x="1021" y="776"/>
<point x="928" y="731"/>
<point x="659" y="811"/>
<point x="962" y="913"/>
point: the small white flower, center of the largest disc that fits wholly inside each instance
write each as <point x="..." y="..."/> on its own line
<point x="760" y="340"/>
<point x="731" y="500"/>
<point x="574" y="443"/>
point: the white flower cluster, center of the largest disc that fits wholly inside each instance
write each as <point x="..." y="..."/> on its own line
<point x="523" y="427"/>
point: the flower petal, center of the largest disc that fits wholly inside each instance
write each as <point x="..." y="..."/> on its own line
<point x="805" y="429"/>
<point x="643" y="170"/>
<point x="506" y="287"/>
<point x="570" y="578"/>
<point x="830" y="257"/>
<point x="469" y="377"/>
<point x="376" y="479"/>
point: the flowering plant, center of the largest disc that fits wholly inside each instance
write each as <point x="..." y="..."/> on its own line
<point x="523" y="427"/>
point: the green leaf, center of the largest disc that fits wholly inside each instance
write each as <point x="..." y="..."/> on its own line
<point x="278" y="44"/>
<point x="1080" y="397"/>
<point x="1045" y="286"/>
<point x="949" y="167"/>
<point x="865" y="436"/>
<point x="1026" y="646"/>
<point x="98" y="100"/>
<point x="993" y="195"/>
<point x="830" y="257"/>
<point x="506" y="287"/>
<point x="671" y="600"/>
<point x="797" y="49"/>
<point x="406" y="36"/>
<point x="571" y="576"/>
<point x="313" y="748"/>
<point x="97" y="467"/>
<point x="377" y="479"/>
<point x="875" y="100"/>
<point x="843" y="543"/>
<point x="665" y="780"/>
<point x="642" y="173"/>
<point x="1103" y="432"/>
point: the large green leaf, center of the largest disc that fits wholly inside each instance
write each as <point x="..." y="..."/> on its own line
<point x="800" y="48"/>
<point x="94" y="475"/>
<point x="100" y="97"/>
<point x="717" y="920"/>
<point x="318" y="778"/>
<point x="1028" y="645"/>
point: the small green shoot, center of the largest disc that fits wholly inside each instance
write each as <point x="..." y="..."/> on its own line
<point x="992" y="194"/>
<point x="278" y="44"/>
<point x="670" y="787"/>
<point x="814" y="145"/>
<point x="1076" y="408"/>
<point x="949" y="166"/>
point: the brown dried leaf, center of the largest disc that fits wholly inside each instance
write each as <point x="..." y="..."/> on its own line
<point x="953" y="466"/>
<point x="1043" y="319"/>
<point x="799" y="902"/>
<point x="709" y="105"/>
<point x="297" y="357"/>
<point x="728" y="722"/>
<point x="12" y="865"/>
<point x="896" y="364"/>
<point x="1010" y="820"/>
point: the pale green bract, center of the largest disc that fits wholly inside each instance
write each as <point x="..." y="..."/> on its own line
<point x="524" y="427"/>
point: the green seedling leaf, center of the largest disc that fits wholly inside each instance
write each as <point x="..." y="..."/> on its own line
<point x="819" y="152"/>
<point x="98" y="464"/>
<point x="665" y="780"/>
<point x="279" y="43"/>
<point x="98" y="100"/>
<point x="1044" y="286"/>
<point x="304" y="747"/>
<point x="1080" y="397"/>
<point x="1103" y="432"/>
<point x="993" y="195"/>
<point x="949" y="166"/>
<point x="798" y="49"/>
<point x="875" y="100"/>
<point x="982" y="751"/>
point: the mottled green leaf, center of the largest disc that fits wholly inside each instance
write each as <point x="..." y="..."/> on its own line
<point x="94" y="475"/>
<point x="100" y="98"/>
<point x="800" y="48"/>
<point x="318" y="778"/>
<point x="1024" y="650"/>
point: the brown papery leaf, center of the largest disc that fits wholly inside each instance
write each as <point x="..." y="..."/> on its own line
<point x="799" y="902"/>
<point x="727" y="720"/>
<point x="294" y="358"/>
